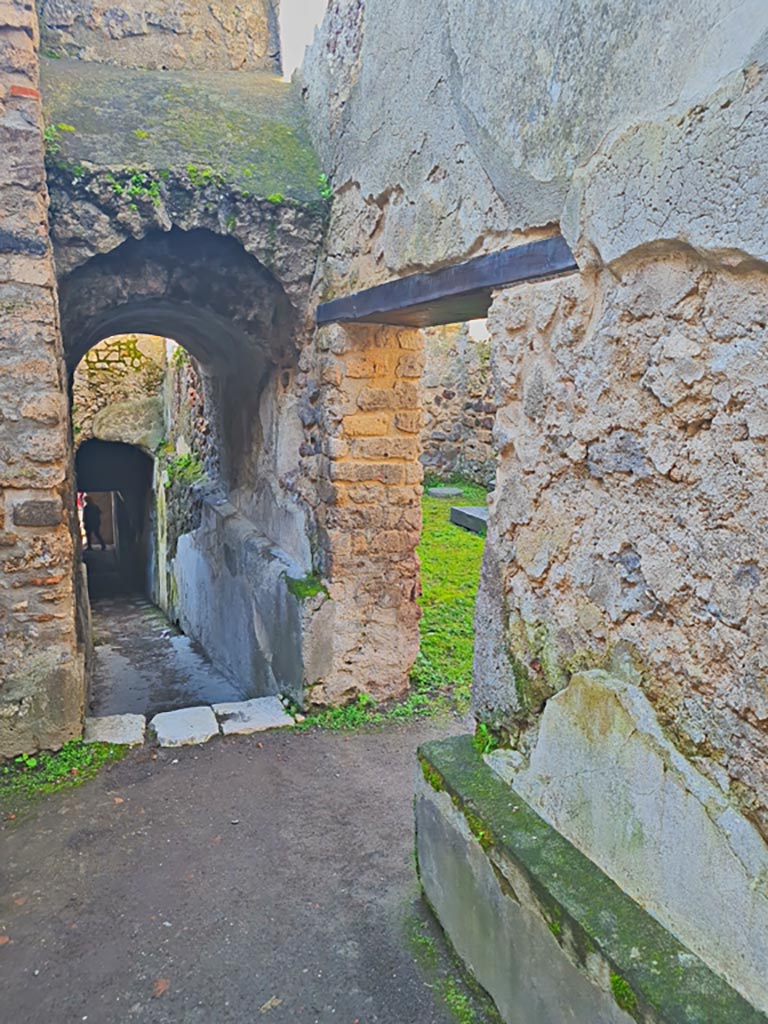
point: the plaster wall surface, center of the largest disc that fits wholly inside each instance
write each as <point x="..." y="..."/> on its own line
<point x="41" y="655"/>
<point x="544" y="119"/>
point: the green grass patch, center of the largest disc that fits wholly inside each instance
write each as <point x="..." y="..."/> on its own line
<point x="450" y="575"/>
<point x="444" y="972"/>
<point x="441" y="678"/>
<point x="27" y="777"/>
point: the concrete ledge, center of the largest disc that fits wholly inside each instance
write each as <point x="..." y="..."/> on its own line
<point x="471" y="518"/>
<point x="541" y="927"/>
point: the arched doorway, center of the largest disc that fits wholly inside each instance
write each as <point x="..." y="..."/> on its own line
<point x="223" y="531"/>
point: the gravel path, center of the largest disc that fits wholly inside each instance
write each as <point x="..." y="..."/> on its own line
<point x="263" y="878"/>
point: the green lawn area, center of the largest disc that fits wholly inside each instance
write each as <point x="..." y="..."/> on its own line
<point x="441" y="678"/>
<point x="450" y="574"/>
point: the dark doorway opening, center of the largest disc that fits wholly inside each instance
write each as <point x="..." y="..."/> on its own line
<point x="117" y="478"/>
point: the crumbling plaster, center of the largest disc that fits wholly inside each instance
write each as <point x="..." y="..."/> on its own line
<point x="440" y="158"/>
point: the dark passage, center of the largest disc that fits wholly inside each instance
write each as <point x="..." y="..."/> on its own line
<point x="118" y="479"/>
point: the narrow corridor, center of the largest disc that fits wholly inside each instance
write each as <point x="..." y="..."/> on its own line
<point x="144" y="665"/>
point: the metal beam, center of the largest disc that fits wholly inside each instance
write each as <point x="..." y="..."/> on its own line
<point x="452" y="295"/>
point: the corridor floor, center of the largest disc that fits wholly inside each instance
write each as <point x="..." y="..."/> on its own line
<point x="144" y="665"/>
<point x="268" y="878"/>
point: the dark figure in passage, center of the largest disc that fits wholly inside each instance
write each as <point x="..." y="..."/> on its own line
<point x="92" y="523"/>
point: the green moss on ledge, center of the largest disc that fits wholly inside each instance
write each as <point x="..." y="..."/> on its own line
<point x="239" y="129"/>
<point x="653" y="977"/>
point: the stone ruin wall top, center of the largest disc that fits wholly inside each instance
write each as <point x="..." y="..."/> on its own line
<point x="182" y="34"/>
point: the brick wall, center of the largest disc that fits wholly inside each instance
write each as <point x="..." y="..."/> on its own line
<point x="41" y="668"/>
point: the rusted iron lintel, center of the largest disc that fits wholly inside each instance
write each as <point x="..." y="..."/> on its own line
<point x="454" y="294"/>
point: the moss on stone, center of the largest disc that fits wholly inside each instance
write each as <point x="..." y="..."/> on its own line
<point x="245" y="130"/>
<point x="306" y="587"/>
<point x="431" y="776"/>
<point x="622" y="993"/>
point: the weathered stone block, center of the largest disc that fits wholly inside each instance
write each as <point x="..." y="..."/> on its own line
<point x="248" y="716"/>
<point x="37" y="513"/>
<point x="184" y="727"/>
<point x="409" y="422"/>
<point x="119" y="729"/>
<point x="540" y="925"/>
<point x="366" y="425"/>
<point x="604" y="774"/>
<point x="387" y="448"/>
<point x="471" y="518"/>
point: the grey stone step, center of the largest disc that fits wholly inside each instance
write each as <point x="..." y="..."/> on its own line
<point x="247" y="716"/>
<point x="185" y="726"/>
<point x="474" y="518"/>
<point x="123" y="729"/>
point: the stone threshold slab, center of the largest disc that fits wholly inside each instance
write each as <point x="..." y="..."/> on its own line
<point x="474" y="518"/>
<point x="249" y="716"/>
<point x="123" y="730"/>
<point x="189" y="726"/>
<point x="473" y="827"/>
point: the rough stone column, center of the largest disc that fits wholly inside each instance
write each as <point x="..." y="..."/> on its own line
<point x="369" y="511"/>
<point x="41" y="665"/>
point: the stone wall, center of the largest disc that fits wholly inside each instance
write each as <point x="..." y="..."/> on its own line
<point x="41" y="655"/>
<point x="627" y="527"/>
<point x="223" y="36"/>
<point x="457" y="397"/>
<point x="361" y="477"/>
<point x="117" y="392"/>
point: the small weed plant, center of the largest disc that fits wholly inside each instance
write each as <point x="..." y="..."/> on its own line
<point x="29" y="776"/>
<point x="52" y="136"/>
<point x="185" y="470"/>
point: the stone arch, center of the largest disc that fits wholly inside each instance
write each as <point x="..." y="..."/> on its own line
<point x="222" y="573"/>
<point x="198" y="287"/>
<point x="204" y="291"/>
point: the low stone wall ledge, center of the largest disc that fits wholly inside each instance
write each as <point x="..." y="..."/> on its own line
<point x="541" y="927"/>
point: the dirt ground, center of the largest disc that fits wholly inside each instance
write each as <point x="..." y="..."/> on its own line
<point x="268" y="878"/>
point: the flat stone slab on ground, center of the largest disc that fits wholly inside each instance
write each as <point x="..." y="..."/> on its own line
<point x="185" y="726"/>
<point x="247" y="716"/>
<point x="123" y="729"/>
<point x="471" y="518"/>
<point x="444" y="492"/>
